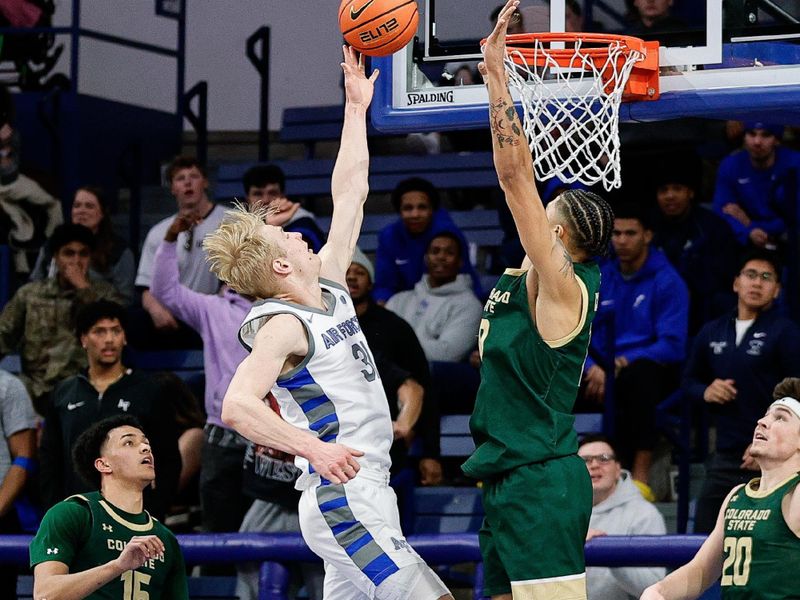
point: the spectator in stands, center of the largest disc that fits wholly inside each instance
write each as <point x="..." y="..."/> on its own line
<point x="652" y="17"/>
<point x="697" y="242"/>
<point x="394" y="344"/>
<point x="650" y="307"/>
<point x="111" y="259"/>
<point x="265" y="184"/>
<point x="189" y="184"/>
<point x="107" y="387"/>
<point x="103" y="543"/>
<point x="268" y="479"/>
<point x="442" y="308"/>
<point x="617" y="509"/>
<point x="39" y="320"/>
<point x="756" y="189"/>
<point x="735" y="362"/>
<point x="17" y="463"/>
<point x="399" y="260"/>
<point x="213" y="316"/>
<point x="20" y="194"/>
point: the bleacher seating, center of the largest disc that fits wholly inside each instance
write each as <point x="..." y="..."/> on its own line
<point x="312" y="177"/>
<point x="11" y="363"/>
<point x="311" y="124"/>
<point x="481" y="228"/>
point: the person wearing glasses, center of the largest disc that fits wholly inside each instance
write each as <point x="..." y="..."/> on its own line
<point x="189" y="185"/>
<point x="643" y="316"/>
<point x="735" y="362"/>
<point x="618" y="508"/>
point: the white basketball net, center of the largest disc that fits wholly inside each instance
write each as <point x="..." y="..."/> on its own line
<point x="572" y="121"/>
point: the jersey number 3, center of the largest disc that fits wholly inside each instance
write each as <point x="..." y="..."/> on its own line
<point x="360" y="352"/>
<point x="738" y="554"/>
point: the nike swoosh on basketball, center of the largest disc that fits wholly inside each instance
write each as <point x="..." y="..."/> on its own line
<point x="354" y="14"/>
<point x="71" y="406"/>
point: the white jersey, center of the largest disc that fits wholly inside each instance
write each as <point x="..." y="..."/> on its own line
<point x="335" y="392"/>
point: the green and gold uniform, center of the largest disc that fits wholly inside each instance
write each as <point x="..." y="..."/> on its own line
<point x="537" y="492"/>
<point x="86" y="531"/>
<point x="759" y="549"/>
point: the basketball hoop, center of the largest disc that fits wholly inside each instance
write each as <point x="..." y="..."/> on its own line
<point x="571" y="97"/>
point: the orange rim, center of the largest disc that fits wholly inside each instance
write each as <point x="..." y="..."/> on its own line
<point x="643" y="81"/>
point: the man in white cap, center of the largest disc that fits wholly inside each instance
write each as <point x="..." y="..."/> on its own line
<point x="757" y="535"/>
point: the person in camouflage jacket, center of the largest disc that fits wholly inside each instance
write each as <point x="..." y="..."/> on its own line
<point x="39" y="320"/>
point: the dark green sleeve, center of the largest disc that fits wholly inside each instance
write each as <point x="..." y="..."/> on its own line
<point x="63" y="532"/>
<point x="176" y="586"/>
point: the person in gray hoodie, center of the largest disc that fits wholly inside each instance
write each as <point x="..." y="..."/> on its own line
<point x="442" y="308"/>
<point x="618" y="508"/>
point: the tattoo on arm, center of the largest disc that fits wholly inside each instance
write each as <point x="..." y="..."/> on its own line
<point x="505" y="124"/>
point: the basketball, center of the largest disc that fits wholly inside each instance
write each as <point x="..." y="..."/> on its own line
<point x="378" y="27"/>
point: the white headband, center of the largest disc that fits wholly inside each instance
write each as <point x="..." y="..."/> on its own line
<point x="789" y="403"/>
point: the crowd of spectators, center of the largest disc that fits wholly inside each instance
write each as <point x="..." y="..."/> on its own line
<point x="691" y="300"/>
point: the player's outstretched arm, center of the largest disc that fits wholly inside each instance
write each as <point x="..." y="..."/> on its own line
<point x="53" y="581"/>
<point x="514" y="165"/>
<point x="696" y="576"/>
<point x="349" y="186"/>
<point x="244" y="409"/>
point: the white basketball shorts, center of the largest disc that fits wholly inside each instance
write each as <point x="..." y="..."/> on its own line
<point x="355" y="529"/>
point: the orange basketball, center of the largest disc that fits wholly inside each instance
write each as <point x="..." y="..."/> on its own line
<point x="378" y="27"/>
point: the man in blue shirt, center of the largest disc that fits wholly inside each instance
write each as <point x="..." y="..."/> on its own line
<point x="697" y="242"/>
<point x="649" y="303"/>
<point x="756" y="188"/>
<point x="735" y="362"/>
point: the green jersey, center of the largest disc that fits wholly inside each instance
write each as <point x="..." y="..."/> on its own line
<point x="523" y="411"/>
<point x="759" y="549"/>
<point x="86" y="531"/>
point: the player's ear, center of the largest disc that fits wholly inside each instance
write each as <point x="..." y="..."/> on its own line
<point x="281" y="266"/>
<point x="102" y="466"/>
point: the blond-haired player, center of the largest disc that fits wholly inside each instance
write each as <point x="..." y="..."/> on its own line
<point x="308" y="349"/>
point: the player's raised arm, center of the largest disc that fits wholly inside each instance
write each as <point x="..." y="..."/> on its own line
<point x="514" y="166"/>
<point x="349" y="186"/>
<point x="280" y="339"/>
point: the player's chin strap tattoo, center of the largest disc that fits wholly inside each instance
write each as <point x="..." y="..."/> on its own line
<point x="505" y="123"/>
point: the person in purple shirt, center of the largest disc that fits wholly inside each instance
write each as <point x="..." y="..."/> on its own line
<point x="399" y="259"/>
<point x="214" y="317"/>
<point x="757" y="188"/>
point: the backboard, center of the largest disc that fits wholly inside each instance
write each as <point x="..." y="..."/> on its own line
<point x="737" y="61"/>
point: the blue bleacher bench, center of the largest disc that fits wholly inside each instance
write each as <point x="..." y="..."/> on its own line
<point x="11" y="363"/>
<point x="481" y="227"/>
<point x="311" y="124"/>
<point x="312" y="177"/>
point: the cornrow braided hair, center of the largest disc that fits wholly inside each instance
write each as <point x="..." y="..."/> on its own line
<point x="590" y="219"/>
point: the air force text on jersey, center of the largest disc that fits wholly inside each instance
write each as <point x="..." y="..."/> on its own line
<point x="342" y="331"/>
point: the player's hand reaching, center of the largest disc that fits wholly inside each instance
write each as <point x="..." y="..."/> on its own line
<point x="494" y="51"/>
<point x="335" y="462"/>
<point x="358" y="88"/>
<point x="138" y="551"/>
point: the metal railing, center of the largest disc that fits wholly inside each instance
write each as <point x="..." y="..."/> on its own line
<point x="275" y="551"/>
